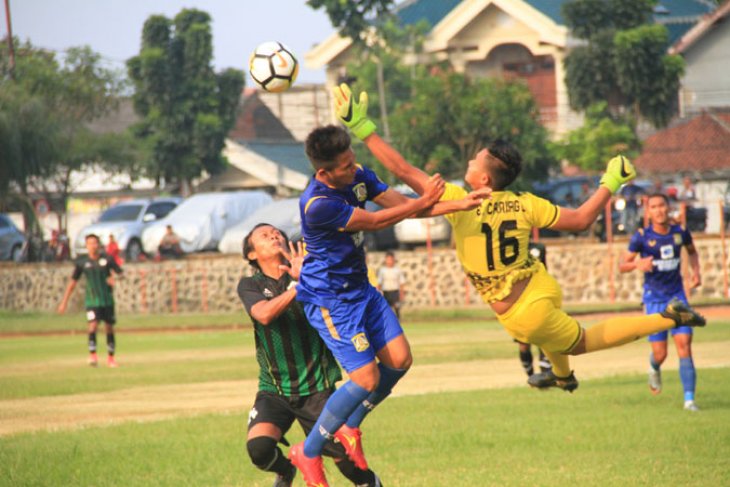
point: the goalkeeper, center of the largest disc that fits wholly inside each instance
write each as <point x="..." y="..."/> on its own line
<point x="492" y="246"/>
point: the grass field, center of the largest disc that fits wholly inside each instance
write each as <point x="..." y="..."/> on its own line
<point x="174" y="413"/>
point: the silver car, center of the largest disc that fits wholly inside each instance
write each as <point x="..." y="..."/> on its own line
<point x="11" y="240"/>
<point x="126" y="221"/>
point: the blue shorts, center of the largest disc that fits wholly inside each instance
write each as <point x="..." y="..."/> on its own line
<point x="355" y="331"/>
<point x="657" y="307"/>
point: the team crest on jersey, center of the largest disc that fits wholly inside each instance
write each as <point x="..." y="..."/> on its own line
<point x="361" y="342"/>
<point x="88" y="265"/>
<point x="268" y="293"/>
<point x="102" y="261"/>
<point x="361" y="192"/>
<point x="652" y="242"/>
<point x="677" y="239"/>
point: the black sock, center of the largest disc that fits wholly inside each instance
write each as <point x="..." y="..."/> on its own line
<point x="354" y="474"/>
<point x="526" y="359"/>
<point x="110" y="343"/>
<point x="267" y="456"/>
<point x="92" y="342"/>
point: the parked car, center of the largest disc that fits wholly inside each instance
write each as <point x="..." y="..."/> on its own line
<point x="283" y="214"/>
<point x="565" y="191"/>
<point x="416" y="231"/>
<point x="202" y="220"/>
<point x="11" y="240"/>
<point x="127" y="221"/>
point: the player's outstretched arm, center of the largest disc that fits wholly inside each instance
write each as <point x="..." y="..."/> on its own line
<point x="377" y="220"/>
<point x="395" y="163"/>
<point x="353" y="114"/>
<point x="391" y="198"/>
<point x="619" y="171"/>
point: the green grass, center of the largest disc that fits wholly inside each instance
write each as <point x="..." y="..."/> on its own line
<point x="610" y="432"/>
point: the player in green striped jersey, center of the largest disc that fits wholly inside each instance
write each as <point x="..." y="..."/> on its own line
<point x="97" y="267"/>
<point x="297" y="371"/>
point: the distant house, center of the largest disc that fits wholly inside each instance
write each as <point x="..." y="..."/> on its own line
<point x="525" y="39"/>
<point x="706" y="51"/>
<point x="698" y="147"/>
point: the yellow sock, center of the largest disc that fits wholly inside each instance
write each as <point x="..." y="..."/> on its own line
<point x="617" y="331"/>
<point x="560" y="363"/>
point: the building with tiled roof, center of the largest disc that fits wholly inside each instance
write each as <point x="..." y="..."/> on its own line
<point x="524" y="39"/>
<point x="699" y="146"/>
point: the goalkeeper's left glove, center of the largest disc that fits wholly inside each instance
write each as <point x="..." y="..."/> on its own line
<point x="619" y="171"/>
<point x="351" y="113"/>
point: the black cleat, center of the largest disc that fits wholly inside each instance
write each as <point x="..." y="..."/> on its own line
<point x="683" y="314"/>
<point x="285" y="480"/>
<point x="543" y="380"/>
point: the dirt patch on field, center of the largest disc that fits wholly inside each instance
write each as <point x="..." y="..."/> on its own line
<point x="156" y="403"/>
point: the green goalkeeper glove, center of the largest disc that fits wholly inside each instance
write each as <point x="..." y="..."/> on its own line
<point x="351" y="113"/>
<point x="619" y="171"/>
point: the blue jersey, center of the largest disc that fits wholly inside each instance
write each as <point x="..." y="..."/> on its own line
<point x="334" y="266"/>
<point x="664" y="281"/>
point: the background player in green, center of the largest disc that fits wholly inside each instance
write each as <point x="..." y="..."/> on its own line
<point x="297" y="371"/>
<point x="99" y="301"/>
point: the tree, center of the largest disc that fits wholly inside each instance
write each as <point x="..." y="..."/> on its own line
<point x="44" y="112"/>
<point x="450" y="117"/>
<point x="187" y="109"/>
<point x="601" y="137"/>
<point x="351" y="18"/>
<point x="624" y="60"/>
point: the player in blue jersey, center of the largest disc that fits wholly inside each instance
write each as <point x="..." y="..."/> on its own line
<point x="656" y="251"/>
<point x="351" y="316"/>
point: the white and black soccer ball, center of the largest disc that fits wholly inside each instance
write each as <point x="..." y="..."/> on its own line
<point x="273" y="66"/>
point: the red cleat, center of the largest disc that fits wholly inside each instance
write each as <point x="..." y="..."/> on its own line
<point x="311" y="468"/>
<point x="351" y="439"/>
<point x="110" y="362"/>
<point x="93" y="359"/>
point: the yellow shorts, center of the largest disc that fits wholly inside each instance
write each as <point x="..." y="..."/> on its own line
<point x="536" y="317"/>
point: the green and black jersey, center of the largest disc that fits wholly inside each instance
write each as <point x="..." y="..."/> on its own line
<point x="293" y="359"/>
<point x="98" y="291"/>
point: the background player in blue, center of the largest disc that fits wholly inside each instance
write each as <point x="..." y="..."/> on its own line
<point x="351" y="316"/>
<point x="656" y="251"/>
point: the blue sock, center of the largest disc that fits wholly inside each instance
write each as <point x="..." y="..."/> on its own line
<point x="339" y="406"/>
<point x="689" y="377"/>
<point x="389" y="377"/>
<point x="653" y="363"/>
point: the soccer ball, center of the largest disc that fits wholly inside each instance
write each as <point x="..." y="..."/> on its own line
<point x="273" y="66"/>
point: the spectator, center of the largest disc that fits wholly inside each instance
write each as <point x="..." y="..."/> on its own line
<point x="112" y="250"/>
<point x="391" y="283"/>
<point x="170" y="245"/>
<point x="687" y="193"/>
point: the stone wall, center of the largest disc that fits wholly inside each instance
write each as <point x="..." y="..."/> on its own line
<point x="208" y="282"/>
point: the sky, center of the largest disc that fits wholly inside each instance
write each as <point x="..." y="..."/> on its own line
<point x="113" y="28"/>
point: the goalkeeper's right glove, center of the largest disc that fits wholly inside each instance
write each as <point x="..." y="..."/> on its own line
<point x="351" y="113"/>
<point x="619" y="171"/>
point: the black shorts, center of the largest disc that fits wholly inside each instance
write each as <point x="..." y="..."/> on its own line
<point x="101" y="313"/>
<point x="282" y="411"/>
<point x="392" y="297"/>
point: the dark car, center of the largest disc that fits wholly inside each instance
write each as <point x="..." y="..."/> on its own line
<point x="381" y="239"/>
<point x="569" y="192"/>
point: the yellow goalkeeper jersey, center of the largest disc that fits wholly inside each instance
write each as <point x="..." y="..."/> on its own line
<point x="492" y="240"/>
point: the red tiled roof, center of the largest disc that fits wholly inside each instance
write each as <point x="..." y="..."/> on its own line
<point x="701" y="144"/>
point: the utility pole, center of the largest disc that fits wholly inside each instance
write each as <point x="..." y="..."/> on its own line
<point x="11" y="57"/>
